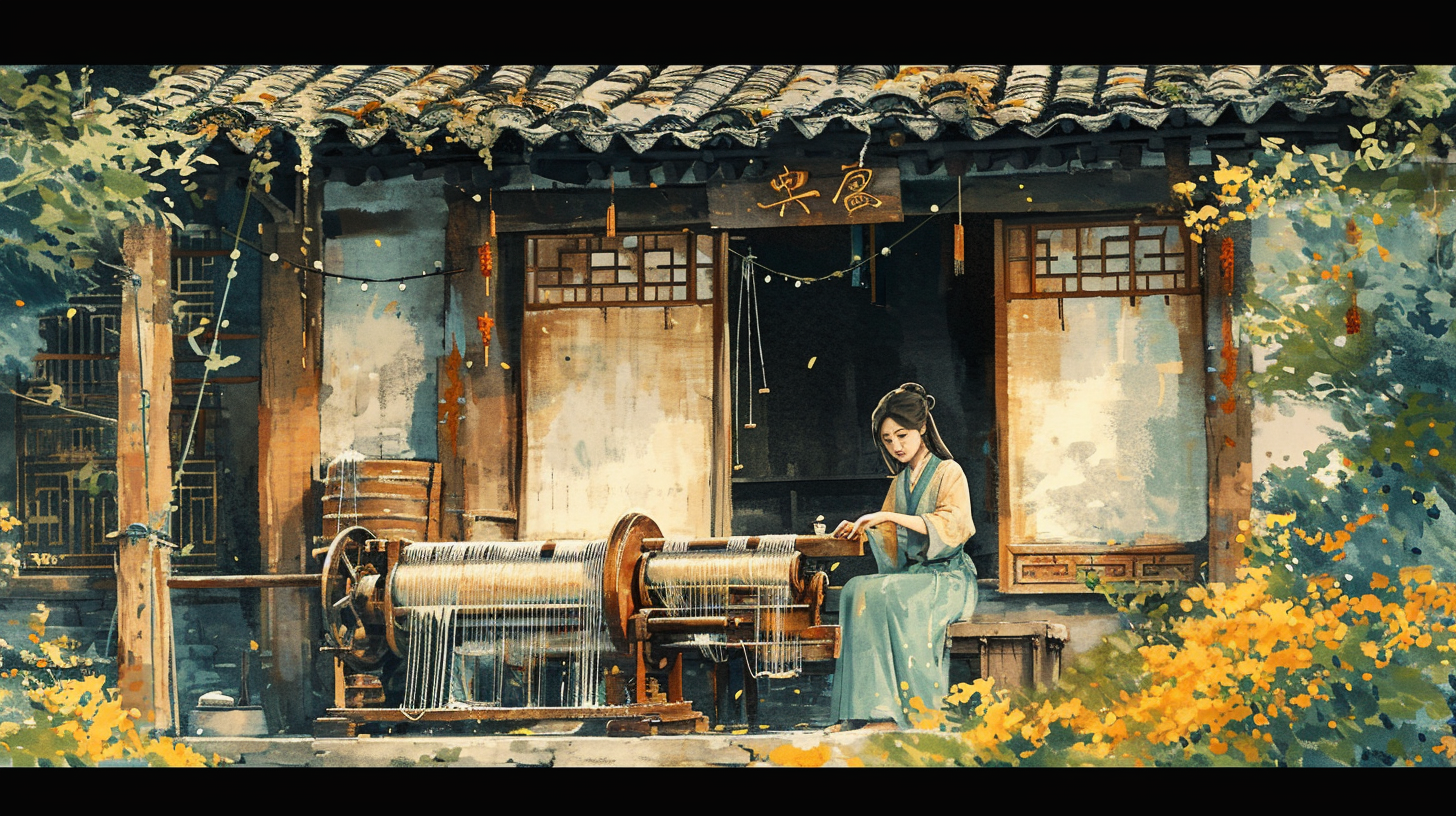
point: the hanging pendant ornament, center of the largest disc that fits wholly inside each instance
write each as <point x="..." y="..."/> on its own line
<point x="1352" y="315"/>
<point x="492" y="214"/>
<point x="486" y="264"/>
<point x="485" y="324"/>
<point x="612" y="212"/>
<point x="959" y="255"/>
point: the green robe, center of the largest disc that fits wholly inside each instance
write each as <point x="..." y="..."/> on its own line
<point x="893" y="624"/>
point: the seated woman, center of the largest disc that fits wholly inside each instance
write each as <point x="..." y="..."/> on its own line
<point x="893" y="623"/>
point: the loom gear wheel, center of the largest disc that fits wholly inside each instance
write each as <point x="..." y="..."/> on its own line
<point x="353" y="598"/>
<point x="622" y="597"/>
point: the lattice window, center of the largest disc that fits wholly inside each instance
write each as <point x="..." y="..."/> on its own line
<point x="1119" y="258"/>
<point x="67" y="488"/>
<point x="644" y="269"/>
<point x="197" y="256"/>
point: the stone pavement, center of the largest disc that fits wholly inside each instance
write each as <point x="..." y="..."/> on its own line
<point x="812" y="748"/>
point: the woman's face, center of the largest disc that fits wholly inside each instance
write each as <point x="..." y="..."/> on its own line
<point x="903" y="443"/>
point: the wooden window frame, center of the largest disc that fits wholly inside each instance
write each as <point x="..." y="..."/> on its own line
<point x="1041" y="568"/>
<point x="1134" y="226"/>
<point x="590" y="245"/>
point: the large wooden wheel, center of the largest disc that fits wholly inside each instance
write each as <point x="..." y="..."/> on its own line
<point x="624" y="555"/>
<point x="353" y="598"/>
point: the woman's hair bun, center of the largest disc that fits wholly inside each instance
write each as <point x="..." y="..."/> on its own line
<point x="919" y="390"/>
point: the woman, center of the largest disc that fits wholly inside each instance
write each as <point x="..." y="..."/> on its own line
<point x="893" y="623"/>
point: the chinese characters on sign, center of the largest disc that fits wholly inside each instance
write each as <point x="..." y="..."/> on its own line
<point x="855" y="181"/>
<point x="787" y="182"/>
<point x="811" y="192"/>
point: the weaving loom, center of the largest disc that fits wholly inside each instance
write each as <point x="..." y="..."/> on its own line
<point x="530" y="631"/>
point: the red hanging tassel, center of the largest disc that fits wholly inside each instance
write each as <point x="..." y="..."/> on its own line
<point x="486" y="265"/>
<point x="960" y="249"/>
<point x="492" y="215"/>
<point x="1226" y="264"/>
<point x="485" y="324"/>
<point x="959" y="255"/>
<point x="1352" y="318"/>
<point x="612" y="212"/>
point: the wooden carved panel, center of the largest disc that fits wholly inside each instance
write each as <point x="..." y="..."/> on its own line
<point x="1062" y="569"/>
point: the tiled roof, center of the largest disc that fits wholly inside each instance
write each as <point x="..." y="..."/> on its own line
<point x="646" y="105"/>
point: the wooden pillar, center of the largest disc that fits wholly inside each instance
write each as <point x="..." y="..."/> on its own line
<point x="288" y="453"/>
<point x="1001" y="391"/>
<point x="1229" y="419"/>
<point x="463" y="299"/>
<point x="144" y="478"/>
<point x="480" y="438"/>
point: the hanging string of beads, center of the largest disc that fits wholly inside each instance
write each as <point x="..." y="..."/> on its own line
<point x="800" y="280"/>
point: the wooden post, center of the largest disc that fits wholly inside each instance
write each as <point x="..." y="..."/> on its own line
<point x="1229" y="419"/>
<point x="1001" y="385"/>
<point x="144" y="478"/>
<point x="288" y="452"/>
<point x="464" y="299"/>
<point x="480" y="446"/>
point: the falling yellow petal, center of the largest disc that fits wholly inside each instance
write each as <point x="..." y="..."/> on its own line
<point x="503" y="365"/>
<point x="378" y="242"/>
<point x="70" y="313"/>
<point x="811" y="361"/>
<point x="253" y="644"/>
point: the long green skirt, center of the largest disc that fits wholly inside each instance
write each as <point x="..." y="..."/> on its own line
<point x="893" y="646"/>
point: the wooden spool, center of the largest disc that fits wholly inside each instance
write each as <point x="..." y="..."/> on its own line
<point x="392" y="498"/>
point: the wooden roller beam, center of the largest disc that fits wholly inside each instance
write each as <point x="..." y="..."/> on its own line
<point x="242" y="581"/>
<point x="811" y="545"/>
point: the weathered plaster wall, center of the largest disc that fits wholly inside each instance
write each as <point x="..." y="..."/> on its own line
<point x="1107" y="433"/>
<point x="618" y="417"/>
<point x="1284" y="431"/>
<point x="380" y="343"/>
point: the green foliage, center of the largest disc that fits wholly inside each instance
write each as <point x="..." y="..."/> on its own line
<point x="75" y="171"/>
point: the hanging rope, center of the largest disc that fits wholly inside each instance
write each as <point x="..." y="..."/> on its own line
<point x="216" y="336"/>
<point x="748" y="304"/>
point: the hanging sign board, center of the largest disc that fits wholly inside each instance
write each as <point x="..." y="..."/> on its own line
<point x="812" y="192"/>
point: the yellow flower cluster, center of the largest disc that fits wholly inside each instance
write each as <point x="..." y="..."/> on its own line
<point x="102" y="729"/>
<point x="1244" y="669"/>
<point x="1239" y="194"/>
<point x="7" y="521"/>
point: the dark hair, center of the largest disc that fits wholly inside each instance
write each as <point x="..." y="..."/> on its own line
<point x="910" y="406"/>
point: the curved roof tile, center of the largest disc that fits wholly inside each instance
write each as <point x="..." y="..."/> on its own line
<point x="639" y="104"/>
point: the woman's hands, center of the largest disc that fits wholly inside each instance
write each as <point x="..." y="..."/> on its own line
<point x="856" y="528"/>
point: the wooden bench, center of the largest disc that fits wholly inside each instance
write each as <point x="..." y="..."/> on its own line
<point x="1017" y="654"/>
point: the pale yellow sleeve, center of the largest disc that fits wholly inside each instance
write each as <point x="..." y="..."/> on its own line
<point x="950" y="524"/>
<point x="883" y="540"/>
